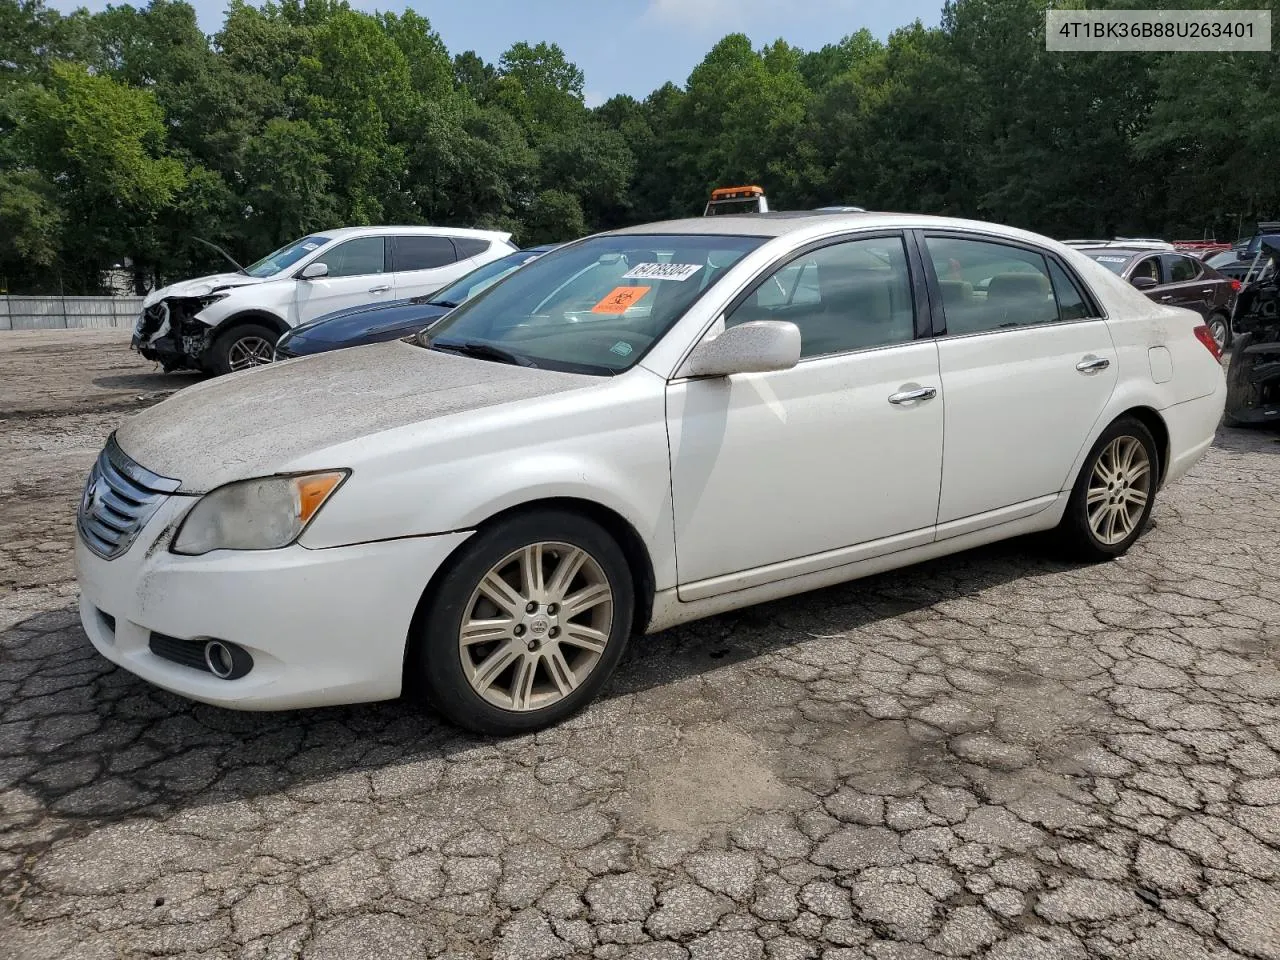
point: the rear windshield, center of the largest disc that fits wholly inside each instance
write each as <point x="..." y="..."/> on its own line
<point x="1112" y="262"/>
<point x="595" y="306"/>
<point x="286" y="256"/>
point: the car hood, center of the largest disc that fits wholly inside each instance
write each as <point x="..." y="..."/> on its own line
<point x="258" y="422"/>
<point x="347" y="325"/>
<point x="201" y="286"/>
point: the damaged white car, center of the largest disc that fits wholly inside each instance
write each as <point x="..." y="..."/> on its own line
<point x="231" y="321"/>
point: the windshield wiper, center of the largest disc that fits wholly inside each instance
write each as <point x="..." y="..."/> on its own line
<point x="481" y="351"/>
<point x="230" y="259"/>
<point x="426" y="298"/>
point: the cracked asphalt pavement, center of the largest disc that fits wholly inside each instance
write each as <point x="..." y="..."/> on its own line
<point x="996" y="754"/>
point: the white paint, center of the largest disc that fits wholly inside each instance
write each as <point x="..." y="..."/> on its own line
<point x="741" y="489"/>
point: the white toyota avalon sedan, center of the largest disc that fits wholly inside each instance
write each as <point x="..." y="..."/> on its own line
<point x="638" y="429"/>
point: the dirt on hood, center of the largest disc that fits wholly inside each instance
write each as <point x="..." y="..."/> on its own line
<point x="257" y="422"/>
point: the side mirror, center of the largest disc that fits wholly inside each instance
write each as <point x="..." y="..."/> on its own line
<point x="1144" y="283"/>
<point x="757" y="347"/>
<point x="314" y="271"/>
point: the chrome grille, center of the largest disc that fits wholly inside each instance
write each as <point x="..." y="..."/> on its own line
<point x="118" y="500"/>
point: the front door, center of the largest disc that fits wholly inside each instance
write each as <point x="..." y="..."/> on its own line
<point x="1185" y="288"/>
<point x="1027" y="369"/>
<point x="357" y="275"/>
<point x="843" y="449"/>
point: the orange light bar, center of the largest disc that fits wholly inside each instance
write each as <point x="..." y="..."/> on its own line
<point x="729" y="193"/>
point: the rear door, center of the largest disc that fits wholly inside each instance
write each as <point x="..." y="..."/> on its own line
<point x="358" y="274"/>
<point x="1027" y="366"/>
<point x="422" y="264"/>
<point x="1184" y="286"/>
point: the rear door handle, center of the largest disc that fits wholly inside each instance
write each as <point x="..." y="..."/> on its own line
<point x="381" y="288"/>
<point x="1167" y="296"/>
<point x="1092" y="364"/>
<point x="910" y="396"/>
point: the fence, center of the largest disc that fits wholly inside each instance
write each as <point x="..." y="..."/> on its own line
<point x="62" y="313"/>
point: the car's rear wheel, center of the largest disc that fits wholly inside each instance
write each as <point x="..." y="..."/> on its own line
<point x="242" y="348"/>
<point x="527" y="624"/>
<point x="1113" y="496"/>
<point x="1220" y="327"/>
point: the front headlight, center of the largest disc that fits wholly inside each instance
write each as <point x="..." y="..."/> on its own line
<point x="261" y="514"/>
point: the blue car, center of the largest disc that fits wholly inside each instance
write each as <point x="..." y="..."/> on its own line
<point x="375" y="322"/>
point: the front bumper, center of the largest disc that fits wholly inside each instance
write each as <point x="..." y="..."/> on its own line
<point x="324" y="627"/>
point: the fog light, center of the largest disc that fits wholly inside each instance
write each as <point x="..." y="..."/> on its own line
<point x="226" y="661"/>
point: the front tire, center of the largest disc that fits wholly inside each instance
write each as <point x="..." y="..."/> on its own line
<point x="242" y="348"/>
<point x="1220" y="326"/>
<point x="1113" y="496"/>
<point x="526" y="626"/>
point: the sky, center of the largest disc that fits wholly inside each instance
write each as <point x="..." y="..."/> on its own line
<point x="627" y="46"/>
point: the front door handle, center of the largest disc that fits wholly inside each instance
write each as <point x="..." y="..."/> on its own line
<point x="1093" y="364"/>
<point x="910" y="396"/>
<point x="381" y="288"/>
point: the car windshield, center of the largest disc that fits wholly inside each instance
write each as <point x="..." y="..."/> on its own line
<point x="593" y="307"/>
<point x="1113" y="262"/>
<point x="286" y="256"/>
<point x="481" y="278"/>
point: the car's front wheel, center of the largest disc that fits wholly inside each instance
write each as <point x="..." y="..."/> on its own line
<point x="242" y="347"/>
<point x="1113" y="496"/>
<point x="1220" y="326"/>
<point x="527" y="624"/>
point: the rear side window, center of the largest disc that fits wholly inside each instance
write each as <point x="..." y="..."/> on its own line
<point x="1181" y="269"/>
<point x="470" y="247"/>
<point x="990" y="286"/>
<point x="423" y="253"/>
<point x="1071" y="304"/>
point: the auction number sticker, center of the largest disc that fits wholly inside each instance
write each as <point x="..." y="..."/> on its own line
<point x="662" y="271"/>
<point x="620" y="299"/>
<point x="1112" y="259"/>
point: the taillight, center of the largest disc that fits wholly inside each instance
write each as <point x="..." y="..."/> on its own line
<point x="1235" y="285"/>
<point x="1205" y="336"/>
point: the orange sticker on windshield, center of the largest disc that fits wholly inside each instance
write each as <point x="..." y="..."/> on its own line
<point x="620" y="299"/>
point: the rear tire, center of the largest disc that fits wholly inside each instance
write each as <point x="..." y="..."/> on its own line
<point x="242" y="347"/>
<point x="1113" y="496"/>
<point x="526" y="626"/>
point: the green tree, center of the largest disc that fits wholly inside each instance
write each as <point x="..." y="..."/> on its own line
<point x="102" y="145"/>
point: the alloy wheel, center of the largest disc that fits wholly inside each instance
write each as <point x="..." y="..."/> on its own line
<point x="1218" y="327"/>
<point x="249" y="352"/>
<point x="1119" y="488"/>
<point x="536" y="626"/>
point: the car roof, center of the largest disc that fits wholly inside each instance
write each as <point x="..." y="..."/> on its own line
<point x="780" y="223"/>
<point x="343" y="233"/>
<point x="1125" y="251"/>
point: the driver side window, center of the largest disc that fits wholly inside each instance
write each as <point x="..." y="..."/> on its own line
<point x="1149" y="267"/>
<point x="852" y="295"/>
<point x="356" y="258"/>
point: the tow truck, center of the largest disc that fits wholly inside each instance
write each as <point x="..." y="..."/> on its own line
<point x="727" y="200"/>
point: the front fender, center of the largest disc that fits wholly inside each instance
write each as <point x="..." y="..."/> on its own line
<point x="609" y="450"/>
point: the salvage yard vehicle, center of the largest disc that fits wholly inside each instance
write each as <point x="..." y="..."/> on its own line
<point x="231" y="321"/>
<point x="638" y="429"/>
<point x="735" y="200"/>
<point x="377" y="322"/>
<point x="1253" y="376"/>
<point x="1177" y="279"/>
